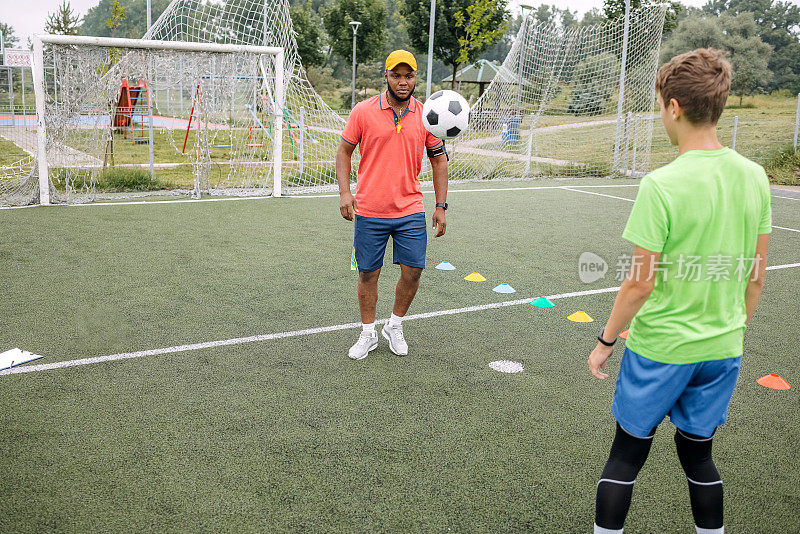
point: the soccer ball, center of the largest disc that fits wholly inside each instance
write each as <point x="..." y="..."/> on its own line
<point x="445" y="114"/>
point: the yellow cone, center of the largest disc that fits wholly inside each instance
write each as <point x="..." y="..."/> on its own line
<point x="475" y="277"/>
<point x="580" y="317"/>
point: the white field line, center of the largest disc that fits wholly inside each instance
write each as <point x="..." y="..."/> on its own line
<point x="776" y="196"/>
<point x="490" y="189"/>
<point x="308" y="331"/>
<point x="629" y="200"/>
<point x="598" y="194"/>
<point x="784" y="266"/>
<point x="331" y="195"/>
<point x="784" y="228"/>
<point x="280" y="335"/>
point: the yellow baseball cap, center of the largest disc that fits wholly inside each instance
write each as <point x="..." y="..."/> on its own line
<point x="400" y="56"/>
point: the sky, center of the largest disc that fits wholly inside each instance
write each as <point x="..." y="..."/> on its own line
<point x="27" y="16"/>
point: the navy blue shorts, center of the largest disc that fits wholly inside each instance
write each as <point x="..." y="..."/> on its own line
<point x="409" y="241"/>
<point x="694" y="395"/>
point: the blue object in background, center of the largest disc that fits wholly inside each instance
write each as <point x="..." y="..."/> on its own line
<point x="509" y="130"/>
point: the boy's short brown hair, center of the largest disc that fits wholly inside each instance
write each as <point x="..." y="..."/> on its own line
<point x="700" y="81"/>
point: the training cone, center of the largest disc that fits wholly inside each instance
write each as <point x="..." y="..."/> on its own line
<point x="542" y="302"/>
<point x="353" y="265"/>
<point x="445" y="266"/>
<point x="580" y="317"/>
<point x="504" y="288"/>
<point x="475" y="277"/>
<point x="624" y="334"/>
<point x="773" y="381"/>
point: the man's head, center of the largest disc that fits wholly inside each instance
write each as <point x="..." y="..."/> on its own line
<point x="401" y="75"/>
<point x="692" y="89"/>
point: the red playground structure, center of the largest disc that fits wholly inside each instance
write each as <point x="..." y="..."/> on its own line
<point x="133" y="102"/>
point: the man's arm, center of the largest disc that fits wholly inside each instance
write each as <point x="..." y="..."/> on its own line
<point x="344" y="164"/>
<point x="440" y="177"/>
<point x="756" y="283"/>
<point x="632" y="295"/>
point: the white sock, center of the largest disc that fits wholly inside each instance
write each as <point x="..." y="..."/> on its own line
<point x="601" y="530"/>
<point x="394" y="320"/>
<point x="368" y="327"/>
<point x="720" y="530"/>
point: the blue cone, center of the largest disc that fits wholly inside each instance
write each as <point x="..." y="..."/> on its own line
<point x="504" y="288"/>
<point x="445" y="266"/>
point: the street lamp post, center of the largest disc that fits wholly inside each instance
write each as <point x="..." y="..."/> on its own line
<point x="522" y="7"/>
<point x="355" y="25"/>
<point x="430" y="51"/>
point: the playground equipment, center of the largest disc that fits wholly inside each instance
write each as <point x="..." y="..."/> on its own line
<point x="132" y="110"/>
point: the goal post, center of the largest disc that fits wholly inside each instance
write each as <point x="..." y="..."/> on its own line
<point x="76" y="116"/>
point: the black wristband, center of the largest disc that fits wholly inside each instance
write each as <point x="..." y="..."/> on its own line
<point x="442" y="205"/>
<point x="603" y="341"/>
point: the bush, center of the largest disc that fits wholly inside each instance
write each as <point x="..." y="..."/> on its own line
<point x="749" y="105"/>
<point x="783" y="167"/>
<point x="588" y="100"/>
<point x="592" y="89"/>
<point x="127" y="179"/>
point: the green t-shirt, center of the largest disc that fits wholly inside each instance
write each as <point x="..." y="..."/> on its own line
<point x="703" y="213"/>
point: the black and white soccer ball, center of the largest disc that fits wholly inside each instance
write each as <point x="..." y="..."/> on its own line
<point x="445" y="114"/>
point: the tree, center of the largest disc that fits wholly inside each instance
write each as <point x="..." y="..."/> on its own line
<point x="8" y="34"/>
<point x="693" y="32"/>
<point x="593" y="16"/>
<point x="309" y="35"/>
<point x="615" y="9"/>
<point x="117" y="15"/>
<point x="476" y="23"/>
<point x="449" y="34"/>
<point x="779" y="26"/>
<point x="738" y="35"/>
<point x="749" y="55"/>
<point x="133" y="26"/>
<point x="371" y="33"/>
<point x="63" y="21"/>
<point x="552" y="14"/>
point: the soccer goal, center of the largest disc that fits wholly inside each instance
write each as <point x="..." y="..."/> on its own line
<point x="133" y="114"/>
<point x="568" y="102"/>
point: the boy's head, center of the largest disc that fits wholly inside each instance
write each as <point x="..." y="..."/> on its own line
<point x="692" y="89"/>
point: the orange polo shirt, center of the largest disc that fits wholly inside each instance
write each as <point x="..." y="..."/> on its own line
<point x="391" y="157"/>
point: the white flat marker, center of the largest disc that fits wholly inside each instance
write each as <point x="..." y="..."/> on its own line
<point x="16" y="356"/>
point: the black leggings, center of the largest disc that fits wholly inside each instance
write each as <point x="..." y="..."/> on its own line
<point x="628" y="455"/>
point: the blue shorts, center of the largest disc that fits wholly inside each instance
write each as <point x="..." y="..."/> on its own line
<point x="694" y="395"/>
<point x="409" y="241"/>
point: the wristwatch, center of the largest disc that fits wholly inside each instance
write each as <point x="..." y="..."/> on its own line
<point x="603" y="341"/>
<point x="442" y="205"/>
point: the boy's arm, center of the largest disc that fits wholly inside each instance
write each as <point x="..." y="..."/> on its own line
<point x="756" y="283"/>
<point x="632" y="295"/>
<point x="440" y="176"/>
<point x="344" y="163"/>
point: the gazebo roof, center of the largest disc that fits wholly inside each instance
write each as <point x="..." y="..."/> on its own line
<point x="483" y="71"/>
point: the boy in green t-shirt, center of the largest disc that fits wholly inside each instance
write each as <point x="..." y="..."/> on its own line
<point x="700" y="227"/>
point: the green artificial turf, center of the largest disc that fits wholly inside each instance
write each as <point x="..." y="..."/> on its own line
<point x="289" y="434"/>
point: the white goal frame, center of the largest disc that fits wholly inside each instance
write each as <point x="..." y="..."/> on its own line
<point x="39" y="88"/>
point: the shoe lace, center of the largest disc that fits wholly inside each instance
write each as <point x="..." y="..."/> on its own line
<point x="398" y="333"/>
<point x="364" y="339"/>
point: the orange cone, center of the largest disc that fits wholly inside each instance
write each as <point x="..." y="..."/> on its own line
<point x="624" y="334"/>
<point x="773" y="381"/>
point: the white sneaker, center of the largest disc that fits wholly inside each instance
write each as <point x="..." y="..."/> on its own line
<point x="367" y="342"/>
<point x="397" y="342"/>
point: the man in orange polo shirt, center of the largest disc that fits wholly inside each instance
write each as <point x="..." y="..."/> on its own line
<point x="388" y="202"/>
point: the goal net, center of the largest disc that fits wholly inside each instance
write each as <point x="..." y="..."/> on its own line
<point x="571" y="102"/>
<point x="133" y="114"/>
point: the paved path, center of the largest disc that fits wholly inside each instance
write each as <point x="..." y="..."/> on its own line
<point x="59" y="155"/>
